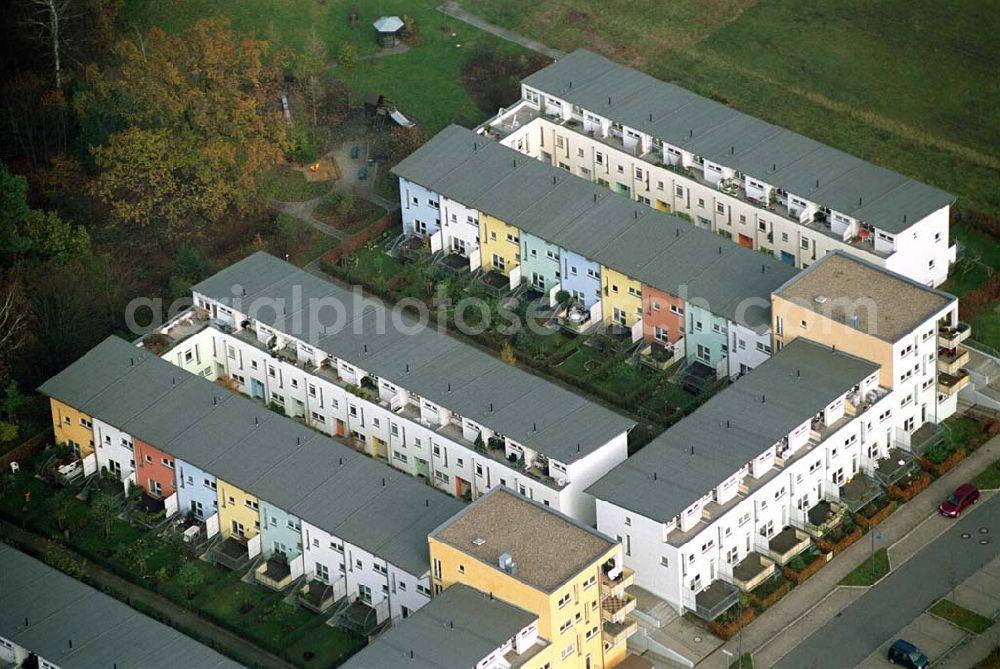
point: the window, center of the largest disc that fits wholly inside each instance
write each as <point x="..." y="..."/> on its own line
<point x="634" y="292"/>
<point x="660" y="334"/>
<point x="593" y="273"/>
<point x="564" y="600"/>
<point x="664" y="561"/>
<point x="784" y="236"/>
<point x="701" y="202"/>
<point x="251" y="504"/>
<point x="805" y="243"/>
<point x="720" y="208"/>
<point x="513" y="239"/>
<point x="679" y="190"/>
<point x="638" y="173"/>
<point x="167" y="462"/>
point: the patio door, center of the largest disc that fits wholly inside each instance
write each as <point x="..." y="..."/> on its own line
<point x="365" y="594"/>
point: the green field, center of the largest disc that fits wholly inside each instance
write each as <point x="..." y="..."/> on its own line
<point x="424" y="83"/>
<point x="862" y="574"/>
<point x="898" y="82"/>
<point x="961" y="616"/>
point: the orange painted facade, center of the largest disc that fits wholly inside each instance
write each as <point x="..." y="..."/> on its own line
<point x="154" y="470"/>
<point x="661" y="310"/>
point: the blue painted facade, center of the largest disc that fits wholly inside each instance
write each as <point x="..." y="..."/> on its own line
<point x="280" y="532"/>
<point x="421" y="209"/>
<point x="195" y="490"/>
<point x="707" y="335"/>
<point x="540" y="263"/>
<point x="581" y="276"/>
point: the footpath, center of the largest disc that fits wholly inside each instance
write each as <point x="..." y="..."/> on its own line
<point x="807" y="607"/>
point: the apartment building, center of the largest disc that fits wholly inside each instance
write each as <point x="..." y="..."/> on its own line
<point x="50" y="620"/>
<point x="244" y="469"/>
<point x="413" y="397"/>
<point x="461" y="628"/>
<point x="568" y="575"/>
<point x="762" y="186"/>
<point x="718" y="502"/>
<point x="910" y="330"/>
<point x="614" y="257"/>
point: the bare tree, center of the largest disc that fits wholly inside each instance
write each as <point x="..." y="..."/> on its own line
<point x="13" y="317"/>
<point x="49" y="19"/>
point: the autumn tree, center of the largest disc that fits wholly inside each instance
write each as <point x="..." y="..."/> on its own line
<point x="204" y="128"/>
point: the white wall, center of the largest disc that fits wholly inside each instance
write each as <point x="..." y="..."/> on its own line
<point x="111" y="444"/>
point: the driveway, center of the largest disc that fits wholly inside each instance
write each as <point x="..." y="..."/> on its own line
<point x="877" y="617"/>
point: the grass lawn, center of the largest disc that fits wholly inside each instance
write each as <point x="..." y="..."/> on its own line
<point x="862" y="575"/>
<point x="885" y="81"/>
<point x="989" y="478"/>
<point x="577" y="365"/>
<point x="289" y="185"/>
<point x="961" y="616"/>
<point x="174" y="590"/>
<point x="424" y="83"/>
<point x="373" y="266"/>
<point x="329" y="646"/>
<point x="227" y="600"/>
<point x="745" y="662"/>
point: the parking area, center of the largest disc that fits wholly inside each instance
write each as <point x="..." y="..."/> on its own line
<point x="936" y="637"/>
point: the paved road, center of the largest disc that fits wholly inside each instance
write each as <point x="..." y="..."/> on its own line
<point x="453" y="10"/>
<point x="906" y="592"/>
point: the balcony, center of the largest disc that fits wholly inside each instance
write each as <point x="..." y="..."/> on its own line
<point x="230" y="553"/>
<point x="318" y="596"/>
<point x="274" y="573"/>
<point x="788" y="543"/>
<point x="616" y="586"/>
<point x="823" y="517"/>
<point x="715" y="600"/>
<point x="752" y="570"/>
<point x="951" y="336"/>
<point x="951" y="360"/>
<point x="949" y="384"/>
<point x="616" y="633"/>
<point x="615" y="608"/>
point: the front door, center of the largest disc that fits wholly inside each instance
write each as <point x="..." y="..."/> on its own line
<point x="256" y="388"/>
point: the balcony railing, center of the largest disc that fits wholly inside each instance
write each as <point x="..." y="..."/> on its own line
<point x="616" y="633"/>
<point x="950" y="361"/>
<point x="787" y="544"/>
<point x="949" y="384"/>
<point x="951" y="336"/>
<point x="752" y="570"/>
<point x="616" y="586"/>
<point x="615" y="608"/>
<point x="274" y="573"/>
<point x="716" y="599"/>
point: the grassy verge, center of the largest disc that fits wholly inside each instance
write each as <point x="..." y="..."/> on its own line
<point x="862" y="574"/>
<point x="287" y="185"/>
<point x="968" y="620"/>
<point x="989" y="478"/>
<point x="744" y="662"/>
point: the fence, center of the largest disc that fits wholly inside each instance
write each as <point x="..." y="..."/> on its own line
<point x="26" y="448"/>
<point x="355" y="242"/>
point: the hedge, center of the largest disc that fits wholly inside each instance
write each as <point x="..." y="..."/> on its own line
<point x="916" y="487"/>
<point x="842" y="545"/>
<point x="801" y="577"/>
<point x="876" y="519"/>
<point x="728" y="629"/>
<point x="770" y="599"/>
<point x="947" y="465"/>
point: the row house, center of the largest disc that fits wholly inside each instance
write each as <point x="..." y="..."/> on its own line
<point x="461" y="627"/>
<point x="270" y="492"/>
<point x="910" y="330"/>
<point x="719" y="502"/>
<point x="420" y="401"/>
<point x="51" y="620"/>
<point x="604" y="262"/>
<point x="501" y="545"/>
<point x="759" y="185"/>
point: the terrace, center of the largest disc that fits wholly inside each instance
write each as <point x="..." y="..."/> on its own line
<point x="230" y="553"/>
<point x="949" y="384"/>
<point x="859" y="491"/>
<point x="317" y="596"/>
<point x="274" y="573"/>
<point x="752" y="570"/>
<point x="950" y="336"/>
<point x="788" y="543"/>
<point x="894" y="466"/>
<point x="616" y="586"/>
<point x="614" y="608"/>
<point x="716" y="599"/>
<point x="822" y="517"/>
<point x="615" y="633"/>
<point x="951" y="360"/>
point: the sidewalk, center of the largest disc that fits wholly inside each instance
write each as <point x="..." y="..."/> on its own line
<point x="167" y="612"/>
<point x="780" y="628"/>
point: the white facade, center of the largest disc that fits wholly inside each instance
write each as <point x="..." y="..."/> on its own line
<point x="420" y="209"/>
<point x="747" y="348"/>
<point x="409" y="432"/>
<point x="460" y="231"/>
<point x="679" y="558"/>
<point x="743" y="208"/>
<point x="114" y="450"/>
<point x="392" y="592"/>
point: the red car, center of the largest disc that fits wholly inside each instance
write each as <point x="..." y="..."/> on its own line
<point x="964" y="496"/>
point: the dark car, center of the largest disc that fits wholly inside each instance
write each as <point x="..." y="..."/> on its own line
<point x="906" y="654"/>
<point x="964" y="496"/>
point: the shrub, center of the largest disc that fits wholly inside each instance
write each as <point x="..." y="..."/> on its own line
<point x="878" y="514"/>
<point x="916" y="486"/>
<point x="727" y="627"/>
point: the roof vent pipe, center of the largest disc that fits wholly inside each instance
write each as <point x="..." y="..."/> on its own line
<point x="692" y="450"/>
<point x="654" y="476"/>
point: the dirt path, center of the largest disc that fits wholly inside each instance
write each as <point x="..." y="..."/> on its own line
<point x="176" y="616"/>
<point x="306" y="212"/>
<point x="454" y="10"/>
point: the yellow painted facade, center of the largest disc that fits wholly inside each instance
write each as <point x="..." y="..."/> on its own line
<point x="790" y="321"/>
<point x="500" y="244"/>
<point x="73" y="428"/>
<point x="563" y="626"/>
<point x="622" y="294"/>
<point x="239" y="511"/>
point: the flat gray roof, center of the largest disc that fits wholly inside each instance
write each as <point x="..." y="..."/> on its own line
<point x="658" y="249"/>
<point x="731" y="429"/>
<point x="549" y="547"/>
<point x="882" y="303"/>
<point x="456" y="630"/>
<point x="288" y="465"/>
<point x="886" y="199"/>
<point x="537" y="413"/>
<point x="73" y="625"/>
